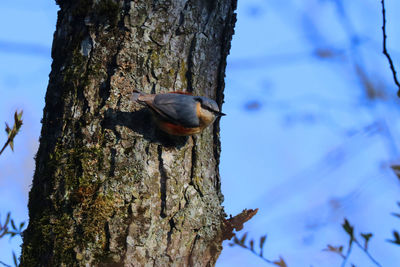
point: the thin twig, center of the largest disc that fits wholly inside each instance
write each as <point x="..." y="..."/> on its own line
<point x="348" y="252"/>
<point x="258" y="255"/>
<point x="367" y="253"/>
<point x="241" y="243"/>
<point x="4" y="147"/>
<point x="4" y="264"/>
<point x="385" y="52"/>
<point x="261" y="257"/>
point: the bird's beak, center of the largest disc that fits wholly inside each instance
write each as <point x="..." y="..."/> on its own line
<point x="221" y="114"/>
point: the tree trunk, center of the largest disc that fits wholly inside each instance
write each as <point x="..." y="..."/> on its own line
<point x="109" y="188"/>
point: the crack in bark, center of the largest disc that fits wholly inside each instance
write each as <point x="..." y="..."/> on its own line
<point x="190" y="260"/>
<point x="185" y="197"/>
<point x="189" y="72"/>
<point x="151" y="74"/>
<point x="176" y="77"/>
<point x="169" y="234"/>
<point x="130" y="219"/>
<point x="163" y="182"/>
<point x="113" y="152"/>
<point x="88" y="64"/>
<point x="217" y="144"/>
<point x="192" y="169"/>
<point x="126" y="9"/>
<point x="193" y="159"/>
<point x="108" y="236"/>
<point x="181" y="19"/>
<point x="210" y="8"/>
<point x="155" y="41"/>
<point x="105" y="90"/>
<point x="171" y="228"/>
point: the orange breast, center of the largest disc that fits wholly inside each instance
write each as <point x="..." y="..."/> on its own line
<point x="177" y="129"/>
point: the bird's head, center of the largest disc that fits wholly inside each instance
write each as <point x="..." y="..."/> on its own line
<point x="209" y="105"/>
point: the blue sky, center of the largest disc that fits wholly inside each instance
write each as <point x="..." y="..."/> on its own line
<point x="313" y="145"/>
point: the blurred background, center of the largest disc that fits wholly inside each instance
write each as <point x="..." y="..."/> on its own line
<point x="319" y="125"/>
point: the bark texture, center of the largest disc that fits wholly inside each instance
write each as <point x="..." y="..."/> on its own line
<point x="109" y="188"/>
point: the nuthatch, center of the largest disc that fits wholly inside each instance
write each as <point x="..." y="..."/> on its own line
<point x="179" y="113"/>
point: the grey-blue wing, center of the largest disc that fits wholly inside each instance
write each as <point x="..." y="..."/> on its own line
<point x="177" y="108"/>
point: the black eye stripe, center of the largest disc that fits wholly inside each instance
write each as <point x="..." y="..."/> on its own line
<point x="209" y="108"/>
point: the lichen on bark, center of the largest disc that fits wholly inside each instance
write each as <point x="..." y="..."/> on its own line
<point x="109" y="187"/>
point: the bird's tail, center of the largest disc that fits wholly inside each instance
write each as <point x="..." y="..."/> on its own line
<point x="136" y="94"/>
<point x="141" y="97"/>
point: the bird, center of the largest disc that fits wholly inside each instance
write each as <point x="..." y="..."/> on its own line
<point x="179" y="113"/>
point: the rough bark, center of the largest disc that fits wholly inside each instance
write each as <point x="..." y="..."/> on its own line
<point x="109" y="188"/>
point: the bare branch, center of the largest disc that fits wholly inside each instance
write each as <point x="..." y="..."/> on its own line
<point x="385" y="52"/>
